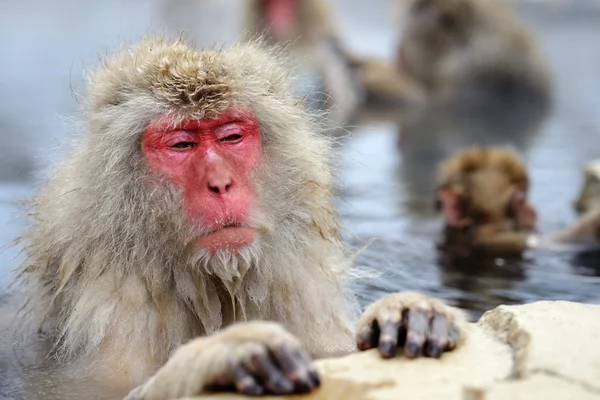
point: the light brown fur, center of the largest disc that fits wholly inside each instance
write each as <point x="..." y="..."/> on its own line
<point x="319" y="51"/>
<point x="110" y="274"/>
<point x="460" y="48"/>
<point x="485" y="180"/>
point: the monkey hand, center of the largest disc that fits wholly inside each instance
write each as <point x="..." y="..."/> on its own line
<point x="420" y="324"/>
<point x="253" y="358"/>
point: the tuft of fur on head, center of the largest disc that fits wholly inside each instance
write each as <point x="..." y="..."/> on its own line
<point x="108" y="255"/>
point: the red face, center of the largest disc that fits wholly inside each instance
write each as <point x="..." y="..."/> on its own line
<point x="280" y="15"/>
<point x="211" y="161"/>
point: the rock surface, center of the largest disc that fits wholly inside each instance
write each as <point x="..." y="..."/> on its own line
<point x="545" y="350"/>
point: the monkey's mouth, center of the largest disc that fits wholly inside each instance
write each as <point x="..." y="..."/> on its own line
<point x="228" y="237"/>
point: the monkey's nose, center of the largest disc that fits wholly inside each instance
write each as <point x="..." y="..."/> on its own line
<point x="219" y="185"/>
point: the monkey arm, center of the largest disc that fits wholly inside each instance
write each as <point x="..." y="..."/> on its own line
<point x="256" y="358"/>
<point x="507" y="242"/>
<point x="585" y="230"/>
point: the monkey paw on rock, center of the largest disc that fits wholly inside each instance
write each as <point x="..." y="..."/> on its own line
<point x="253" y="358"/>
<point x="421" y="325"/>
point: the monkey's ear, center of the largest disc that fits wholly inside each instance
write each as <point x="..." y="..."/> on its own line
<point x="521" y="211"/>
<point x="452" y="203"/>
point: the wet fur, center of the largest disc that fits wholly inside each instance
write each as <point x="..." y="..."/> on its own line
<point x="108" y="243"/>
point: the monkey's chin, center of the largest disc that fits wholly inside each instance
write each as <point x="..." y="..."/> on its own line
<point x="228" y="239"/>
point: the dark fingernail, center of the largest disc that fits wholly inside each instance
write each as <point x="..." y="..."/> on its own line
<point x="387" y="349"/>
<point x="434" y="350"/>
<point x="363" y="345"/>
<point x="303" y="382"/>
<point x="252" y="390"/>
<point x="365" y="340"/>
<point x="315" y="378"/>
<point x="280" y="385"/>
<point x="303" y="386"/>
<point x="412" y="349"/>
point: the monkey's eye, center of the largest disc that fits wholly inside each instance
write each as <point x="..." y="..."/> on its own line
<point x="236" y="137"/>
<point x="183" y="145"/>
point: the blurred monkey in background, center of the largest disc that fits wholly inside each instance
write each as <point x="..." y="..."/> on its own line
<point x="482" y="193"/>
<point x="464" y="51"/>
<point x="348" y="80"/>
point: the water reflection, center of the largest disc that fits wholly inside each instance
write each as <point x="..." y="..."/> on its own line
<point x="487" y="280"/>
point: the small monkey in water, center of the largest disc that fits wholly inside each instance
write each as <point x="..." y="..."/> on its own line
<point x="463" y="49"/>
<point x="482" y="194"/>
<point x="189" y="241"/>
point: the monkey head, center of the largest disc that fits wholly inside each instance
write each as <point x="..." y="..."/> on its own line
<point x="305" y="21"/>
<point x="280" y="17"/>
<point x="482" y="194"/>
<point x="188" y="151"/>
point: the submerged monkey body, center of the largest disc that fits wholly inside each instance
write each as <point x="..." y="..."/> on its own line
<point x="198" y="198"/>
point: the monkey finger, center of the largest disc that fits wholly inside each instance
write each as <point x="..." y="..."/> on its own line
<point x="262" y="367"/>
<point x="245" y="383"/>
<point x="416" y="331"/>
<point x="310" y="376"/>
<point x="388" y="339"/>
<point x="297" y="368"/>
<point x="368" y="337"/>
<point x="312" y="372"/>
<point x="437" y="341"/>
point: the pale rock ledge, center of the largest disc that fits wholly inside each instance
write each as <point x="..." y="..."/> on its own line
<point x="546" y="350"/>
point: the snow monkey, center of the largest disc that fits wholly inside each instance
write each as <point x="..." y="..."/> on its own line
<point x="349" y="80"/>
<point x="463" y="49"/>
<point x="189" y="241"/>
<point x="482" y="193"/>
